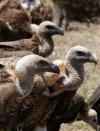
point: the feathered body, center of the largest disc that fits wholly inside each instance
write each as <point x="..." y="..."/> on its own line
<point x="14" y="24"/>
<point x="35" y="108"/>
<point x="16" y="109"/>
<point x="23" y="110"/>
<point x="9" y="4"/>
<point x="16" y="18"/>
<point x="20" y="47"/>
<point x="67" y="111"/>
<point x="41" y="42"/>
<point x="42" y="13"/>
<point x="94" y="102"/>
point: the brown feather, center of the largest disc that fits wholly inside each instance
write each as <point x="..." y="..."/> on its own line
<point x="16" y="18"/>
<point x="42" y="13"/>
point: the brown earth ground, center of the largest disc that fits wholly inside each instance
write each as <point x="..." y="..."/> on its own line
<point x="87" y="35"/>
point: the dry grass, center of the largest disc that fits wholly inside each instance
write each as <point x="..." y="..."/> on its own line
<point x="88" y="36"/>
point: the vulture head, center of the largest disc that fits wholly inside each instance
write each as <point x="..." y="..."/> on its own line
<point x="48" y="29"/>
<point x="27" y="67"/>
<point x="91" y="118"/>
<point x="80" y="55"/>
<point x="71" y="70"/>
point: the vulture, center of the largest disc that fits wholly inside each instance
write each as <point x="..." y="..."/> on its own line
<point x="33" y="111"/>
<point x="72" y="70"/>
<point x="40" y="43"/>
<point x="18" y="98"/>
<point x="77" y="109"/>
<point x="30" y="4"/>
<point x="42" y="13"/>
<point x="94" y="102"/>
<point x="14" y="24"/>
<point x="20" y="4"/>
<point x="79" y="10"/>
<point x="15" y="21"/>
<point x="39" y="11"/>
<point x="9" y="3"/>
<point x="64" y="112"/>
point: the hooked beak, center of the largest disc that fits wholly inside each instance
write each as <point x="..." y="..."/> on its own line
<point x="93" y="58"/>
<point x="59" y="31"/>
<point x="54" y="68"/>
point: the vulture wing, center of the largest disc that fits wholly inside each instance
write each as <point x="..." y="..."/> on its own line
<point x="95" y="96"/>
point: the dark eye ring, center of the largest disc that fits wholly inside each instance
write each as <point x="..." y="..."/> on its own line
<point x="49" y="27"/>
<point x="42" y="63"/>
<point x="80" y="53"/>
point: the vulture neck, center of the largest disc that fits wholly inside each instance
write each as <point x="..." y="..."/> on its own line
<point x="46" y="47"/>
<point x="24" y="81"/>
<point x="70" y="82"/>
<point x="75" y="76"/>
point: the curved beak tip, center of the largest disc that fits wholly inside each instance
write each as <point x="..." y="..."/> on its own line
<point x="59" y="31"/>
<point x="62" y="32"/>
<point x="56" y="69"/>
<point x="95" y="60"/>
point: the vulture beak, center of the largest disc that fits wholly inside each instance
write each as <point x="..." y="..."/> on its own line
<point x="93" y="58"/>
<point x="54" y="68"/>
<point x="59" y="31"/>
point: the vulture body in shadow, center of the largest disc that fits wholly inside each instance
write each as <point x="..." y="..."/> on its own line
<point x="68" y="112"/>
<point x="41" y="42"/>
<point x="94" y="102"/>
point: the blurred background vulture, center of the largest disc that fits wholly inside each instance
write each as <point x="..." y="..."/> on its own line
<point x="41" y="42"/>
<point x="15" y="20"/>
<point x="77" y="109"/>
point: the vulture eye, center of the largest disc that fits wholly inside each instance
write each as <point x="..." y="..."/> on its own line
<point x="49" y="27"/>
<point x="79" y="53"/>
<point x="42" y="63"/>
